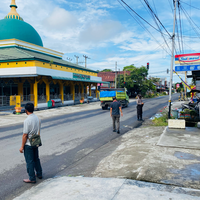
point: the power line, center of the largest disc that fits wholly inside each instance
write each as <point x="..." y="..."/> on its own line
<point x="190" y="21"/>
<point x="138" y="21"/>
<point x="190" y="5"/>
<point x="180" y="25"/>
<point x="138" y="15"/>
<point x="156" y="17"/>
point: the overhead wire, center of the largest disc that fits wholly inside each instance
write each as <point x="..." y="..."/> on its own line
<point x="154" y="16"/>
<point x="190" y="5"/>
<point x="170" y="5"/>
<point x="178" y="38"/>
<point x="180" y="23"/>
<point x="138" y="21"/>
<point x="192" y="23"/>
<point x="137" y="14"/>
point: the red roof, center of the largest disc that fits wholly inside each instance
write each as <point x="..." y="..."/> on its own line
<point x="110" y="76"/>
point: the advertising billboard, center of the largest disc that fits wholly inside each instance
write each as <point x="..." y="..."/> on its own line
<point x="187" y="62"/>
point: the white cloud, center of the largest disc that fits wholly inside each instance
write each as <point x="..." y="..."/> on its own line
<point x="100" y="32"/>
<point x="60" y="19"/>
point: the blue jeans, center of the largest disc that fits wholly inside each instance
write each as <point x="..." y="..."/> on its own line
<point x="32" y="162"/>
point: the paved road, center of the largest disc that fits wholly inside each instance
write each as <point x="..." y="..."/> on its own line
<point x="66" y="140"/>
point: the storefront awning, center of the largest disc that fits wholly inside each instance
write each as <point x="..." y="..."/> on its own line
<point x="76" y="79"/>
<point x="17" y="76"/>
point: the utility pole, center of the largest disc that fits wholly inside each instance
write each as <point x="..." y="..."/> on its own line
<point x="119" y="79"/>
<point x="115" y="75"/>
<point x="185" y="85"/>
<point x="86" y="60"/>
<point x="124" y="75"/>
<point x="76" y="59"/>
<point x="172" y="63"/>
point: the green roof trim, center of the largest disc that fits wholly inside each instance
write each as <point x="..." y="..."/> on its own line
<point x="76" y="79"/>
<point x="13" y="54"/>
<point x="13" y="6"/>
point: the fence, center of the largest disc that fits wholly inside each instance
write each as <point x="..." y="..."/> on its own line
<point x="55" y="96"/>
<point x="27" y="98"/>
<point x="78" y="96"/>
<point x="5" y="101"/>
<point x="68" y="97"/>
<point x="42" y="98"/>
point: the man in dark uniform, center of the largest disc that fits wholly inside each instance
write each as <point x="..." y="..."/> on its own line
<point x="139" y="108"/>
<point x="115" y="109"/>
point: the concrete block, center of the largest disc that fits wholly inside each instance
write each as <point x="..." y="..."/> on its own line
<point x="176" y="123"/>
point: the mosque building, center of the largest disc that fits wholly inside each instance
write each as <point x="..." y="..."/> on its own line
<point x="36" y="73"/>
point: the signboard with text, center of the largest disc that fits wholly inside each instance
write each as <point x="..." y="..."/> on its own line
<point x="81" y="76"/>
<point x="187" y="62"/>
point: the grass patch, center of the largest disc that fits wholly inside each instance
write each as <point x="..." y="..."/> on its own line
<point x="163" y="119"/>
<point x="160" y="121"/>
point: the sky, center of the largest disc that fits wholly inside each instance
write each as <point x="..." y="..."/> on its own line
<point x="106" y="33"/>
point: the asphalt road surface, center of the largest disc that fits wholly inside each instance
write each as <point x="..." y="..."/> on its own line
<point x="66" y="140"/>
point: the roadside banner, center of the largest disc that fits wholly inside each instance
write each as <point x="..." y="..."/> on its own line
<point x="184" y="83"/>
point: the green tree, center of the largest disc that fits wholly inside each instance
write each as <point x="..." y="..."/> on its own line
<point x="137" y="80"/>
<point x="106" y="70"/>
<point x="129" y="68"/>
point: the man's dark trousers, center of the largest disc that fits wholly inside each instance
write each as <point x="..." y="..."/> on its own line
<point x="32" y="162"/>
<point x="139" y="112"/>
<point x="115" y="118"/>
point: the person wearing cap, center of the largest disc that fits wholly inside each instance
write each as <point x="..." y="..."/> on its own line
<point x="115" y="109"/>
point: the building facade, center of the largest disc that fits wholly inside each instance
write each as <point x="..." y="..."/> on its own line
<point x="36" y="73"/>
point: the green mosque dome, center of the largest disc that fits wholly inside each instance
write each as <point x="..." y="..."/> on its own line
<point x="13" y="27"/>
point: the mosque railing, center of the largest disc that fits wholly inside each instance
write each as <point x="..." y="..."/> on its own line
<point x="78" y="96"/>
<point x="68" y="97"/>
<point x="55" y="96"/>
<point x="42" y="98"/>
<point x="4" y="101"/>
<point x="27" y="98"/>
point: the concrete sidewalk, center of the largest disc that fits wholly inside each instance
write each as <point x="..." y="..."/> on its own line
<point x="106" y="189"/>
<point x="121" y="169"/>
<point x="169" y="173"/>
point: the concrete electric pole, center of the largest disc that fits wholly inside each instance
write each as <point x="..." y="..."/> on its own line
<point x="115" y="75"/>
<point x="76" y="59"/>
<point x="172" y="62"/>
<point x="86" y="60"/>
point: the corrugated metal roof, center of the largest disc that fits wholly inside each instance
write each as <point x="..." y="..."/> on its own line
<point x="16" y="54"/>
<point x="13" y="54"/>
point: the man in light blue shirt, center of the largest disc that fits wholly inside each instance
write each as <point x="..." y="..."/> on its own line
<point x="31" y="127"/>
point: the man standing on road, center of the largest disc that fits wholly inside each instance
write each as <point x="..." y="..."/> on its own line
<point x="31" y="126"/>
<point x="115" y="107"/>
<point x="139" y="108"/>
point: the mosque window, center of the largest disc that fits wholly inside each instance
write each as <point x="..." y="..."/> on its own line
<point x="43" y="63"/>
<point x="16" y="63"/>
<point x="7" y="63"/>
<point x="25" y="62"/>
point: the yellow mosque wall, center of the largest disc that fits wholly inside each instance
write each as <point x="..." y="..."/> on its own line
<point x="7" y="65"/>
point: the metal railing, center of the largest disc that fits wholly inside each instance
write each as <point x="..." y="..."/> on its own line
<point x="68" y="97"/>
<point x="27" y="98"/>
<point x="42" y="98"/>
<point x="78" y="96"/>
<point x="4" y="101"/>
<point x="55" y="96"/>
